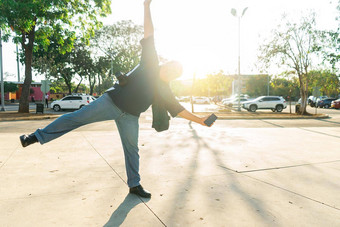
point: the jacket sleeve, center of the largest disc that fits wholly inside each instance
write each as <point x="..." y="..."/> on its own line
<point x="171" y="104"/>
<point x="149" y="54"/>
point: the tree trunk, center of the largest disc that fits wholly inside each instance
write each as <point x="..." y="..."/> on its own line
<point x="69" y="87"/>
<point x="67" y="82"/>
<point x="76" y="90"/>
<point x="92" y="84"/>
<point x="99" y="90"/>
<point x="28" y="48"/>
<point x="303" y="94"/>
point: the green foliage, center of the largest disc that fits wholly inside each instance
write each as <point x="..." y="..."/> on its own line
<point x="330" y="45"/>
<point x="257" y="85"/>
<point x="216" y="84"/>
<point x="328" y="82"/>
<point x="34" y="22"/>
<point x="88" y="62"/>
<point x="10" y="87"/>
<point x="59" y="86"/>
<point x="120" y="44"/>
<point x="219" y="84"/>
<point x="284" y="87"/>
<point x="116" y="48"/>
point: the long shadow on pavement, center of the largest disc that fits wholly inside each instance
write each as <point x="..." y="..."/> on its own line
<point x="120" y="214"/>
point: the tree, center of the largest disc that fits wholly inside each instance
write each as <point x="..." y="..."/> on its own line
<point x="34" y="21"/>
<point x="218" y="84"/>
<point x="257" y="85"/>
<point x="120" y="45"/>
<point x="328" y="82"/>
<point x="330" y="47"/>
<point x="293" y="46"/>
<point x="287" y="88"/>
<point x="10" y="87"/>
<point x="103" y="65"/>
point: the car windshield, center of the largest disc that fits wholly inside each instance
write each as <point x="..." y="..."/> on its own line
<point x="258" y="98"/>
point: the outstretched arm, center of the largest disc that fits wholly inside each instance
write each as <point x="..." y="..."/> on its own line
<point x="148" y="26"/>
<point x="191" y="117"/>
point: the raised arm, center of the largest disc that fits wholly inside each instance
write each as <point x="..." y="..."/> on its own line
<point x="148" y="26"/>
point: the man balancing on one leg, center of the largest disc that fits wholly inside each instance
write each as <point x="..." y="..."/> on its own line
<point x="124" y="103"/>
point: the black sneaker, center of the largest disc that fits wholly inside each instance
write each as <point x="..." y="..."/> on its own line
<point x="28" y="139"/>
<point x="139" y="190"/>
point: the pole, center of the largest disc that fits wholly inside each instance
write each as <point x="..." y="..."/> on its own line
<point x="192" y="91"/>
<point x="239" y="64"/>
<point x="2" y="79"/>
<point x="18" y="69"/>
<point x="268" y="85"/>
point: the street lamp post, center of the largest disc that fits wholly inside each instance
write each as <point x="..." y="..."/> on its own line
<point x="234" y="13"/>
<point x="2" y="79"/>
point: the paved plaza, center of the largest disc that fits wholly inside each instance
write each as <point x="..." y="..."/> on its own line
<point x="236" y="173"/>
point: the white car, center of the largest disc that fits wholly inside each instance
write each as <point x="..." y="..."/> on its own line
<point x="274" y="103"/>
<point x="72" y="102"/>
<point x="201" y="100"/>
<point x="234" y="102"/>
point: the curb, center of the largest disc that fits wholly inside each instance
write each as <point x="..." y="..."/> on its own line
<point x="259" y="116"/>
<point x="221" y="116"/>
<point x="28" y="118"/>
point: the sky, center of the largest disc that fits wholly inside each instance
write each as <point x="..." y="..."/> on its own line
<point x="203" y="35"/>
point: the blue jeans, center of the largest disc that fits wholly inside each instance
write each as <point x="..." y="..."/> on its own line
<point x="101" y="109"/>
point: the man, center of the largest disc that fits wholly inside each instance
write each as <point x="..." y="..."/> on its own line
<point x="124" y="103"/>
<point x="46" y="100"/>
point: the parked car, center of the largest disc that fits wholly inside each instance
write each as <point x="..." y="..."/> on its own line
<point x="234" y="102"/>
<point x="201" y="100"/>
<point x="312" y="100"/>
<point x="274" y="103"/>
<point x="326" y="103"/>
<point x="336" y="104"/>
<point x="184" y="99"/>
<point x="72" y="102"/>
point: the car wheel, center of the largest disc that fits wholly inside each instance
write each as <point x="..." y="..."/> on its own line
<point x="326" y="106"/>
<point x="279" y="108"/>
<point x="56" y="108"/>
<point x="81" y="106"/>
<point x="253" y="108"/>
<point x="273" y="110"/>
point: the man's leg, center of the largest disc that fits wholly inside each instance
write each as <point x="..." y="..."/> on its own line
<point x="99" y="110"/>
<point x="128" y="127"/>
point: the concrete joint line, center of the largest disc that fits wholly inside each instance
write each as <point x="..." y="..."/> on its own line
<point x="285" y="167"/>
<point x="295" y="193"/>
<point x="279" y="126"/>
<point x="103" y="158"/>
<point x="322" y="133"/>
<point x="10" y="156"/>
<point x="122" y="178"/>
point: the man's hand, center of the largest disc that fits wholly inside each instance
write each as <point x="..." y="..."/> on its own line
<point x="203" y="120"/>
<point x="148" y="26"/>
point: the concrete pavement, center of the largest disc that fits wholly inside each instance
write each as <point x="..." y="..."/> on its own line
<point x="227" y="175"/>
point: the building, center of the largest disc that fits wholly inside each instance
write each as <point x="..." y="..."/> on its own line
<point x="35" y="92"/>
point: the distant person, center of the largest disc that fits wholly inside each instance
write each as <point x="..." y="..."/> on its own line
<point x="32" y="99"/>
<point x="124" y="103"/>
<point x="46" y="100"/>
